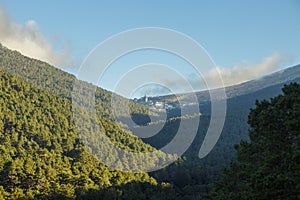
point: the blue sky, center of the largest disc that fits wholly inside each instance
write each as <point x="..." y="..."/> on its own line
<point x="236" y="34"/>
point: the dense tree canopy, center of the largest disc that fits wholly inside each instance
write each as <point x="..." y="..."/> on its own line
<point x="44" y="157"/>
<point x="268" y="166"/>
<point x="41" y="153"/>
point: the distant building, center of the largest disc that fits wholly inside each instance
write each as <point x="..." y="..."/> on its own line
<point x="159" y="105"/>
<point x="143" y="99"/>
<point x="169" y="106"/>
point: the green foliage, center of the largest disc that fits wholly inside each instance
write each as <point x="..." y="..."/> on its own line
<point x="202" y="172"/>
<point x="268" y="166"/>
<point x="60" y="83"/>
<point x="42" y="155"/>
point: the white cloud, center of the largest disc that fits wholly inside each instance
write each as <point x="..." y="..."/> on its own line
<point x="242" y="73"/>
<point x="28" y="40"/>
<point x="229" y="75"/>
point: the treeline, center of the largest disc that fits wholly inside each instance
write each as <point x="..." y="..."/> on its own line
<point x="60" y="83"/>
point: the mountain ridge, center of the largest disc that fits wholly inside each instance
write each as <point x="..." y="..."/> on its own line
<point x="283" y="75"/>
<point x="43" y="155"/>
<point x="36" y="117"/>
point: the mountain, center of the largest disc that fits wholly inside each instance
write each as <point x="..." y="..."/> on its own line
<point x="42" y="154"/>
<point x="241" y="98"/>
<point x="282" y="76"/>
<point x="267" y="165"/>
<point x="57" y="82"/>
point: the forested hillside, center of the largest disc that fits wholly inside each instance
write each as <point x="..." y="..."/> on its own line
<point x="42" y="155"/>
<point x="58" y="82"/>
<point x="268" y="165"/>
<point x="194" y="176"/>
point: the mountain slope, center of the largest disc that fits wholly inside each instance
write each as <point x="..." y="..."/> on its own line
<point x="268" y="164"/>
<point x="60" y="83"/>
<point x="241" y="98"/>
<point x="42" y="155"/>
<point x="201" y="172"/>
<point x="282" y="76"/>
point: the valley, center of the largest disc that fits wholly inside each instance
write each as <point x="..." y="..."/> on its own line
<point x="44" y="154"/>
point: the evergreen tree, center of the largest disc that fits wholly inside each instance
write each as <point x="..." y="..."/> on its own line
<point x="268" y="165"/>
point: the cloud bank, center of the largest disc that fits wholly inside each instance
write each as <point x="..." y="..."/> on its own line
<point x="242" y="73"/>
<point x="28" y="40"/>
<point x="229" y="75"/>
